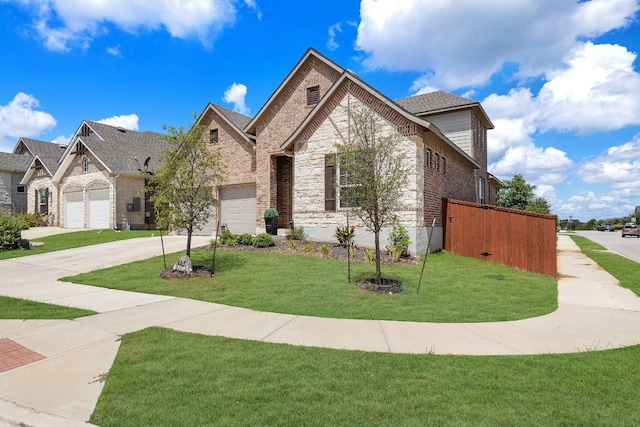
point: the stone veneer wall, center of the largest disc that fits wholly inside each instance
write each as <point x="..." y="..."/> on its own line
<point x="41" y="179"/>
<point x="309" y="192"/>
<point x="76" y="180"/>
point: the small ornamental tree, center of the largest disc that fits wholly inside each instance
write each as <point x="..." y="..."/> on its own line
<point x="372" y="172"/>
<point x="183" y="185"/>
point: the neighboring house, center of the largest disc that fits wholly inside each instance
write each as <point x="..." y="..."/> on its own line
<point x="14" y="197"/>
<point x="97" y="182"/>
<point x="284" y="157"/>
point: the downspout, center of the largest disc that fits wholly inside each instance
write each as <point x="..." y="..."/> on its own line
<point x="115" y="201"/>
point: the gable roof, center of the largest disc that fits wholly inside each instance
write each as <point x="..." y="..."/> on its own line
<point x="49" y="153"/>
<point x="440" y="102"/>
<point x="236" y="120"/>
<point x="348" y="76"/>
<point x="121" y="151"/>
<point x="10" y="162"/>
<point x="239" y="120"/>
<point x="311" y="52"/>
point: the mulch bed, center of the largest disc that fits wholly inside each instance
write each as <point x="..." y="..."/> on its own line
<point x="312" y="249"/>
<point x="387" y="286"/>
<point x="198" y="271"/>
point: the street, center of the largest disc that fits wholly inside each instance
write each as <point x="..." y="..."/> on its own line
<point x="628" y="247"/>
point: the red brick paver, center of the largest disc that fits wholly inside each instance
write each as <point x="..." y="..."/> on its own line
<point x="13" y="355"/>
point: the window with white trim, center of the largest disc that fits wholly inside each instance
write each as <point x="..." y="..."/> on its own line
<point x="85" y="164"/>
<point x="481" y="191"/>
<point x="348" y="190"/>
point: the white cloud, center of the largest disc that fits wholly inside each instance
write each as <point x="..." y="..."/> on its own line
<point x="254" y="6"/>
<point x="62" y="139"/>
<point x="461" y="43"/>
<point x="65" y="24"/>
<point x="235" y="94"/>
<point x="20" y="117"/>
<point x="332" y="44"/>
<point x="114" y="51"/>
<point x="130" y="121"/>
<point x="618" y="167"/>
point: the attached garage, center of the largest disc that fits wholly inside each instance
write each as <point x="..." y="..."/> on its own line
<point x="238" y="208"/>
<point x="73" y="210"/>
<point x="98" y="209"/>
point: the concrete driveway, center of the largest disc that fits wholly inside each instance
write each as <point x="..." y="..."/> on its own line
<point x="594" y="313"/>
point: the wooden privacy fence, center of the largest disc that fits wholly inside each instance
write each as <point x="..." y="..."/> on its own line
<point x="520" y="239"/>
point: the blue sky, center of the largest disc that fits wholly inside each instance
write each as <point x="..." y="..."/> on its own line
<point x="560" y="79"/>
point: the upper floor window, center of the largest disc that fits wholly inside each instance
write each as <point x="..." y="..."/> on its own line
<point x="313" y="95"/>
<point x="21" y="189"/>
<point x="481" y="191"/>
<point x="213" y="136"/>
<point x="85" y="165"/>
<point x="427" y="158"/>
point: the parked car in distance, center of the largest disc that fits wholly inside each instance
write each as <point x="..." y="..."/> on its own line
<point x="630" y="230"/>
<point x="606" y="227"/>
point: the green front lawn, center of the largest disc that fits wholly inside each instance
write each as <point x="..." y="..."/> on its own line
<point x="13" y="308"/>
<point x="76" y="239"/>
<point x="625" y="270"/>
<point x="454" y="288"/>
<point x="168" y="378"/>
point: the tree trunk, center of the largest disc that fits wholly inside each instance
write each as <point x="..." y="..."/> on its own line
<point x="189" y="233"/>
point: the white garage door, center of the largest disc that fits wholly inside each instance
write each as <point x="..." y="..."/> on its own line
<point x="238" y="208"/>
<point x="98" y="209"/>
<point x="73" y="210"/>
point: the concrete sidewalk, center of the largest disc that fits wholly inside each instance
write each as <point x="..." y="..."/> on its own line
<point x="594" y="313"/>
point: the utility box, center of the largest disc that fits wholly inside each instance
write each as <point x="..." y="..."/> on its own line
<point x="136" y="204"/>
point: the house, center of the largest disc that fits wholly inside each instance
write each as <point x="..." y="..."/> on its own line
<point x="13" y="166"/>
<point x="98" y="179"/>
<point x="281" y="157"/>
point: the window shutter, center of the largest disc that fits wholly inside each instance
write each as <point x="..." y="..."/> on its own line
<point x="46" y="201"/>
<point x="329" y="182"/>
<point x="36" y="204"/>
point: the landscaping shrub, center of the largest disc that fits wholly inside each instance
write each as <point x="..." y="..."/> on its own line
<point x="228" y="238"/>
<point x="345" y="235"/>
<point x="28" y="220"/>
<point x="10" y="228"/>
<point x="398" y="242"/>
<point x="263" y="240"/>
<point x="369" y="254"/>
<point x="324" y="249"/>
<point x="308" y="247"/>
<point x="293" y="245"/>
<point x="296" y="233"/>
<point x="245" y="239"/>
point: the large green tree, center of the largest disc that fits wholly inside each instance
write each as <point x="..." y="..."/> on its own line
<point x="519" y="194"/>
<point x="183" y="185"/>
<point x="372" y="172"/>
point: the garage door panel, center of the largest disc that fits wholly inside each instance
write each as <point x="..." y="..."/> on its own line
<point x="98" y="209"/>
<point x="238" y="208"/>
<point x="73" y="210"/>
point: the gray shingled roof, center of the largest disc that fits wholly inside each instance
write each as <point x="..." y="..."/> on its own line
<point x="49" y="153"/>
<point x="434" y="101"/>
<point x="10" y="162"/>
<point x="119" y="147"/>
<point x="239" y="120"/>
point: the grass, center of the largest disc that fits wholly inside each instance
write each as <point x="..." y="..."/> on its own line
<point x="168" y="378"/>
<point x="13" y="308"/>
<point x="625" y="270"/>
<point x="454" y="289"/>
<point x="76" y="239"/>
